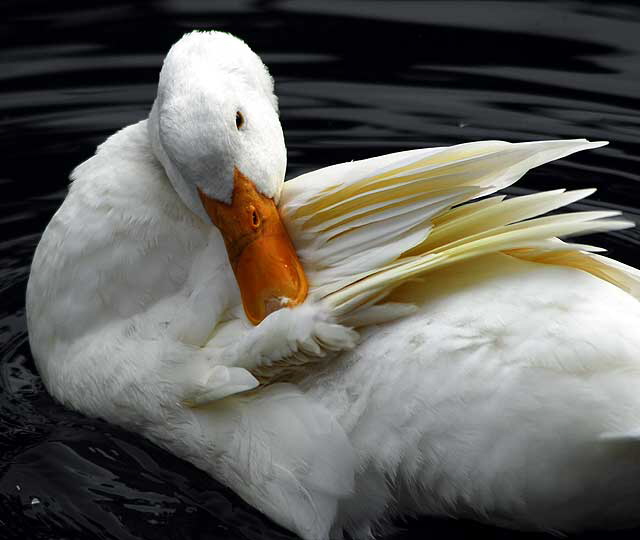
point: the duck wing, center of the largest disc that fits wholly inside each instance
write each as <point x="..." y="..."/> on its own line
<point x="363" y="228"/>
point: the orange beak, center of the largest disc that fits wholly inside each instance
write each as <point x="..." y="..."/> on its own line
<point x="264" y="261"/>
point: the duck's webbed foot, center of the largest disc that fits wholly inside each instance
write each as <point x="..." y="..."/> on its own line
<point x="306" y="330"/>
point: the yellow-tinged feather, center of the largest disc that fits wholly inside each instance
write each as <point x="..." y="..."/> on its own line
<point x="364" y="228"/>
<point x="469" y="208"/>
<point x="509" y="211"/>
<point x="577" y="256"/>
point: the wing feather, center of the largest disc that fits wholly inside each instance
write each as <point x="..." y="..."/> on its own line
<point x="363" y="228"/>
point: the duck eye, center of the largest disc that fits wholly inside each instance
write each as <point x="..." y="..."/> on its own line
<point x="239" y="120"/>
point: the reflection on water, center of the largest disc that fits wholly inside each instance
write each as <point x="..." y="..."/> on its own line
<point x="354" y="79"/>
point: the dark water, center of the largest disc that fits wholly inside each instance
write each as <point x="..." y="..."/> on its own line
<point x="355" y="79"/>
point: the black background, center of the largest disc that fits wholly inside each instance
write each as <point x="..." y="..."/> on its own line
<point x="355" y="79"/>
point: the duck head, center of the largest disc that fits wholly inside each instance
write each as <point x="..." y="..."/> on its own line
<point x="214" y="126"/>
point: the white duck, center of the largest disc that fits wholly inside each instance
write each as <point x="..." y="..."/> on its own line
<point x="506" y="388"/>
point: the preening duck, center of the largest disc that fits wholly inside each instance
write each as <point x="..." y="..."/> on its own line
<point x="378" y="338"/>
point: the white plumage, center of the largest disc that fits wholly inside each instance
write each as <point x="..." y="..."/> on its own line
<point x="496" y="370"/>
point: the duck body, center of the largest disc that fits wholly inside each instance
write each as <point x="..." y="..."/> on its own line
<point x="508" y="393"/>
<point x="522" y="413"/>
